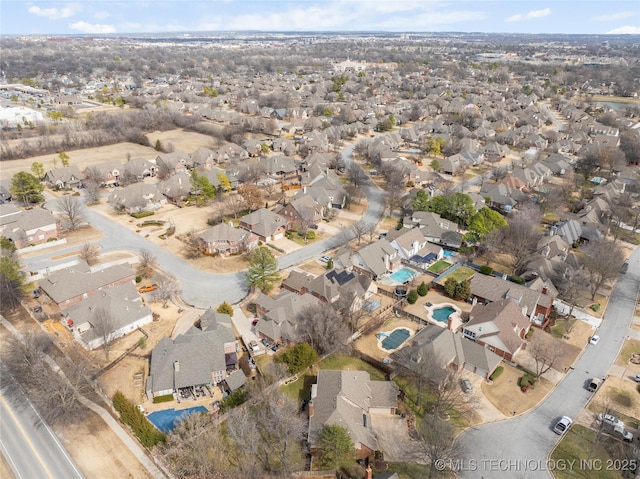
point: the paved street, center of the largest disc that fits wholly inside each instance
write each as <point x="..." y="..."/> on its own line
<point x="519" y="447"/>
<point x="31" y="449"/>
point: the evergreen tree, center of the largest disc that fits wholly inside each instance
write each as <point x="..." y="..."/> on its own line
<point x="263" y="270"/>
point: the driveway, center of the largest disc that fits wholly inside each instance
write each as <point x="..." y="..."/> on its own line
<point x="519" y="447"/>
<point x="393" y="438"/>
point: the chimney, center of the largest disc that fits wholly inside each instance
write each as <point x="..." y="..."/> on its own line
<point x="310" y="409"/>
<point x="545" y="290"/>
<point x="450" y="323"/>
<point x="176" y="366"/>
<point x="369" y="472"/>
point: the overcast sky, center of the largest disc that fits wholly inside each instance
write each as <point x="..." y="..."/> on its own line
<point x="19" y="17"/>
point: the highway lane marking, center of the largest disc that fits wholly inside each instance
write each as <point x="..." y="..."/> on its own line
<point x="15" y="419"/>
<point x="7" y="456"/>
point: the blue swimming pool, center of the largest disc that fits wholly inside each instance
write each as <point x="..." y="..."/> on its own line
<point x="449" y="254"/>
<point x="442" y="314"/>
<point x="395" y="338"/>
<point x="168" y="419"/>
<point x="402" y="276"/>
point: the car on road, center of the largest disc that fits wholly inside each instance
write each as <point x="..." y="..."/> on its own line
<point x="466" y="386"/>
<point x="147" y="288"/>
<point x="594" y="339"/>
<point x="324" y="259"/>
<point x="563" y="425"/>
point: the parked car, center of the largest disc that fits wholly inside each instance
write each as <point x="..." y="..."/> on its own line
<point x="466" y="385"/>
<point x="638" y="378"/>
<point x="610" y="420"/>
<point x="594" y="339"/>
<point x="147" y="288"/>
<point x="37" y="309"/>
<point x="594" y="384"/>
<point x="620" y="432"/>
<point x="255" y="321"/>
<point x="563" y="425"/>
<point x="324" y="259"/>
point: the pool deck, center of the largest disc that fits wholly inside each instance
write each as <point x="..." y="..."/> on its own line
<point x="369" y="344"/>
<point x="455" y="316"/>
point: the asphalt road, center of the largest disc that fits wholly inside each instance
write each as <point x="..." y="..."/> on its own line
<point x="201" y="289"/>
<point x="31" y="449"/>
<point x="519" y="447"/>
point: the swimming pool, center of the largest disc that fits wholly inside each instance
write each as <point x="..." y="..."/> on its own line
<point x="394" y="339"/>
<point x="402" y="276"/>
<point x="449" y="254"/>
<point x="168" y="419"/>
<point x="442" y="314"/>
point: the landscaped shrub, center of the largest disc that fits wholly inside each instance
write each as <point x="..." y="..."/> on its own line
<point x="412" y="297"/>
<point x="496" y="373"/>
<point x="526" y="381"/>
<point x="330" y="264"/>
<point x="138" y="279"/>
<point x="488" y="270"/>
<point x="595" y="307"/>
<point x="298" y="358"/>
<point x="142" y="214"/>
<point x="225" y="308"/>
<point x="280" y="250"/>
<point x="165" y="398"/>
<point x="516" y="279"/>
<point x="235" y="399"/>
<point x="529" y="333"/>
<point x="311" y="235"/>
<point x="148" y="435"/>
<point x="423" y="289"/>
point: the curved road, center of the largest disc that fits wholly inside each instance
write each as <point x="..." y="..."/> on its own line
<point x="31" y="449"/>
<point x="201" y="289"/>
<point x="519" y="447"/>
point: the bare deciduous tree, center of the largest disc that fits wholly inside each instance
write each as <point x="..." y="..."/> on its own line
<point x="602" y="261"/>
<point x="438" y="445"/>
<point x="147" y="263"/>
<point x="520" y="237"/>
<point x="89" y="254"/>
<point x="103" y="322"/>
<point x="168" y="286"/>
<point x="93" y="191"/>
<point x="235" y="203"/>
<point x="326" y="331"/>
<point x="544" y="352"/>
<point x="73" y="212"/>
<point x="192" y="247"/>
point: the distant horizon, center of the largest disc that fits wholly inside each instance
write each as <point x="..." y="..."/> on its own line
<point x="508" y="17"/>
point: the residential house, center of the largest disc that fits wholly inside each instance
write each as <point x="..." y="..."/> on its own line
<point x="106" y="174"/>
<point x="198" y="358"/>
<point x="500" y="326"/>
<point x="435" y="228"/>
<point x="349" y="399"/>
<point x="446" y="349"/>
<point x="66" y="177"/>
<point x="265" y="224"/>
<point x="279" y="316"/>
<point x="140" y="168"/>
<point x="175" y="162"/>
<point x="536" y="305"/>
<point x="502" y="196"/>
<point x="176" y="188"/>
<point x="123" y="307"/>
<point x="71" y="285"/>
<point x="302" y="212"/>
<point x="407" y="241"/>
<point x="338" y="284"/>
<point x="137" y="197"/>
<point x="203" y="158"/>
<point x="375" y="259"/>
<point x="28" y="227"/>
<point x="297" y="282"/>
<point x="224" y="239"/>
<point x="5" y="190"/>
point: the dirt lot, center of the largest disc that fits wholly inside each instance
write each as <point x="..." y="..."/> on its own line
<point x="505" y="394"/>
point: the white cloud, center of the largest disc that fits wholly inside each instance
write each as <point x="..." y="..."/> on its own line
<point x="529" y="15"/>
<point x="613" y="16"/>
<point x="626" y="30"/>
<point x="92" y="27"/>
<point x="55" y="13"/>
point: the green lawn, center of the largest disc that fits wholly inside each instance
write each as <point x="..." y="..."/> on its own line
<point x="561" y="327"/>
<point x="575" y="446"/>
<point x="461" y="274"/>
<point x="439" y="266"/>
